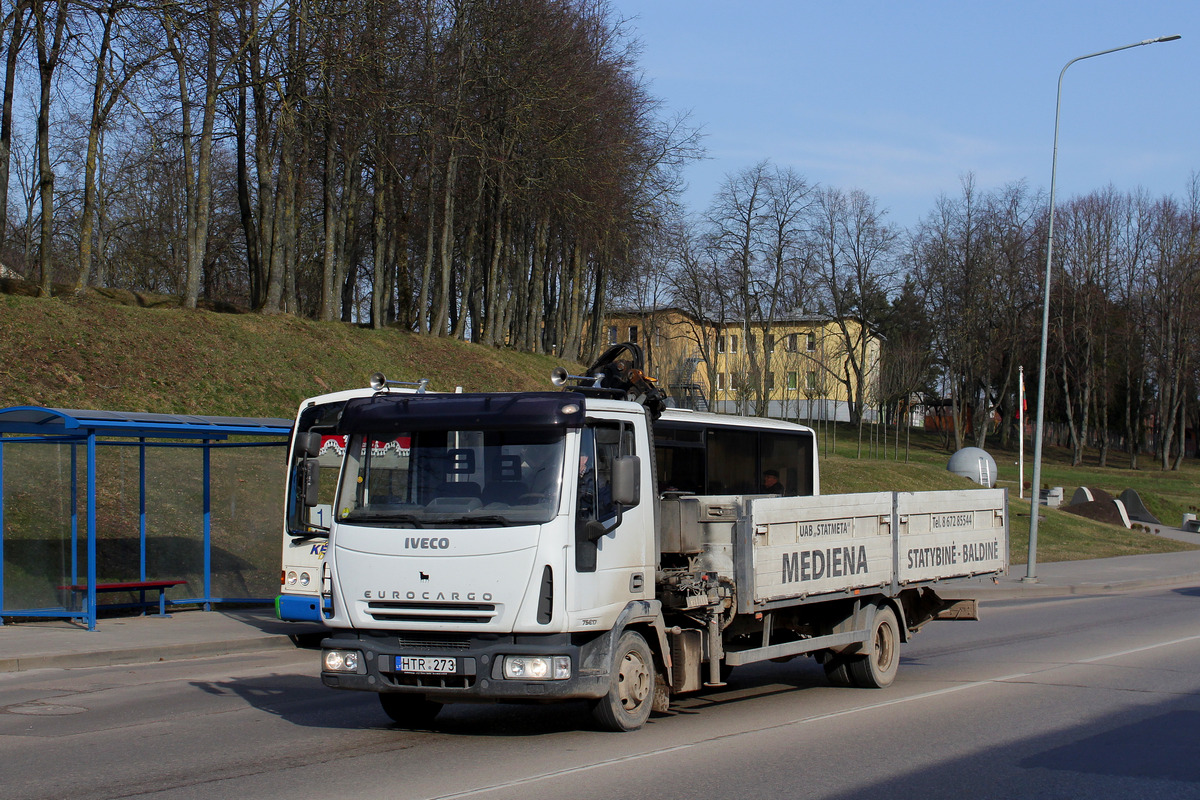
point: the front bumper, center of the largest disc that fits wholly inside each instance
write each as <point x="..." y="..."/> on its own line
<point x="479" y="676"/>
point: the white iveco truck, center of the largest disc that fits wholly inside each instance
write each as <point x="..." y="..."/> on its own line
<point x="586" y="544"/>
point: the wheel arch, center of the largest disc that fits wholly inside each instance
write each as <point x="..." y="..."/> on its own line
<point x="897" y="608"/>
<point x="645" y="618"/>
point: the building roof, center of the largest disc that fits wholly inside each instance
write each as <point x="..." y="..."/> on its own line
<point x="793" y="315"/>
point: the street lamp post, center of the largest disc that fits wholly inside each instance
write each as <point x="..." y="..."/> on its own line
<point x="1035" y="494"/>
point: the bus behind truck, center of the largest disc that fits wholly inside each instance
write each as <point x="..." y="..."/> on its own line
<point x="315" y="456"/>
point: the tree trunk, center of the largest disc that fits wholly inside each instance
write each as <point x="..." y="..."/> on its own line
<point x="202" y="208"/>
<point x="48" y="53"/>
<point x="88" y="212"/>
<point x="10" y="69"/>
<point x="255" y="278"/>
<point x="439" y="315"/>
<point x="379" y="229"/>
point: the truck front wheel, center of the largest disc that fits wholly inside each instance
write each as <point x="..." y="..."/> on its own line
<point x="410" y="710"/>
<point x="876" y="668"/>
<point x="627" y="705"/>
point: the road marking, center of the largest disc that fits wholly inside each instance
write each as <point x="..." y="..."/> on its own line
<point x="798" y="722"/>
<point x="1139" y="649"/>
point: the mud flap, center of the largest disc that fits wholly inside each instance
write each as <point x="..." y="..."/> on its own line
<point x="959" y="609"/>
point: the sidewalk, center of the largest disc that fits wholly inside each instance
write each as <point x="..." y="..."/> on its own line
<point x="63" y="644"/>
<point x="186" y="633"/>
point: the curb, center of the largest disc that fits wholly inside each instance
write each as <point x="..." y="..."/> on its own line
<point x="143" y="655"/>
<point x="1035" y="590"/>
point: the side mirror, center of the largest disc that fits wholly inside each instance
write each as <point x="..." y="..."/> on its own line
<point x="308" y="444"/>
<point x="626" y="481"/>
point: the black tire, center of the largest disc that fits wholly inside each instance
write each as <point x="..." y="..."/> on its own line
<point x="409" y="710"/>
<point x="876" y="668"/>
<point x="837" y="670"/>
<point x="630" y="696"/>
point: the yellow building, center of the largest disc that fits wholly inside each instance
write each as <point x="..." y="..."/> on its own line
<point x="799" y="366"/>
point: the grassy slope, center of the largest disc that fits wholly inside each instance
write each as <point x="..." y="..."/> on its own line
<point x="92" y="352"/>
<point x="87" y="352"/>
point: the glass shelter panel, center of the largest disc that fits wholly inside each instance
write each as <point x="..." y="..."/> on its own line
<point x="40" y="553"/>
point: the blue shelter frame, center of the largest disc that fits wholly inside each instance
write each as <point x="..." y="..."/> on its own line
<point x="24" y="424"/>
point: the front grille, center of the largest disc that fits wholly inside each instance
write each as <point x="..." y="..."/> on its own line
<point x="474" y="613"/>
<point x="433" y="681"/>
<point x="434" y="645"/>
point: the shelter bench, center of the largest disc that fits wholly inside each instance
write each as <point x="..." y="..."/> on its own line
<point x="131" y="586"/>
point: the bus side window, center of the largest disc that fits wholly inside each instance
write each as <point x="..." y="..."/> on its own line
<point x="732" y="461"/>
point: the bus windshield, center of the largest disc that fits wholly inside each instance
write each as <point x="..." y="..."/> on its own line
<point x="452" y="478"/>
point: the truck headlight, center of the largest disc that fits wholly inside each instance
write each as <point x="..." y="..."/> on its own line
<point x="537" y="668"/>
<point x="304" y="579"/>
<point x="291" y="578"/>
<point x="341" y="660"/>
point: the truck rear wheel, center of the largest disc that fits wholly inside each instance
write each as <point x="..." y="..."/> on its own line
<point x="876" y="668"/>
<point x="411" y="710"/>
<point x="627" y="705"/>
<point x="837" y="670"/>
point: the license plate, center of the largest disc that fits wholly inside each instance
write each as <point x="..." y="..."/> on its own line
<point x="427" y="664"/>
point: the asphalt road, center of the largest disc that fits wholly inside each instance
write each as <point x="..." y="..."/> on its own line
<point x="1090" y="696"/>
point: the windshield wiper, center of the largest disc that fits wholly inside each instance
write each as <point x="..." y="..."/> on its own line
<point x="364" y="515"/>
<point x="482" y="519"/>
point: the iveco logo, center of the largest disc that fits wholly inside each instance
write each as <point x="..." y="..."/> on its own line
<point x="426" y="543"/>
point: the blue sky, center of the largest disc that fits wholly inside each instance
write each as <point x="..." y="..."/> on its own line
<point x="901" y="99"/>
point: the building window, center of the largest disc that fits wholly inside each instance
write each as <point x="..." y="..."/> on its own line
<point x="720" y="344"/>
<point x="791" y="380"/>
<point x="770" y="382"/>
<point x="633" y="333"/>
<point x="733" y="344"/>
<point x="791" y="345"/>
<point x="810" y="341"/>
<point x="770" y="343"/>
<point x="812" y="381"/>
<point x="720" y="381"/>
<point x="612" y="334"/>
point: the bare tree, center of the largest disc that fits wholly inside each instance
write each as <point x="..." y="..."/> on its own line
<point x="856" y="266"/>
<point x="108" y="87"/>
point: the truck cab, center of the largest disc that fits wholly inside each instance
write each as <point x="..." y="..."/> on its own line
<point x="485" y="546"/>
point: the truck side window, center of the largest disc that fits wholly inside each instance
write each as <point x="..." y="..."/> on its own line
<point x="595" y="472"/>
<point x="600" y="445"/>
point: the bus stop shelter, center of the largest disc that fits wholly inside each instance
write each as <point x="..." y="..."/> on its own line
<point x="84" y="432"/>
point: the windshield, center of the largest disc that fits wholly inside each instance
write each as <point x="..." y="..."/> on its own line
<point x="452" y="478"/>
